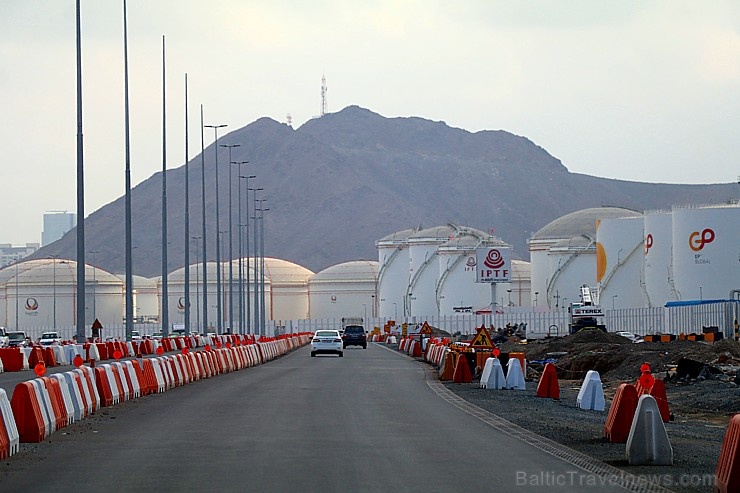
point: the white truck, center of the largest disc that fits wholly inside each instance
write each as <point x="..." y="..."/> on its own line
<point x="585" y="314"/>
<point x="346" y="321"/>
<point x="3" y="337"/>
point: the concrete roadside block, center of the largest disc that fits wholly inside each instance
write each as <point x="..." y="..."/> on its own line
<point x="495" y="379"/>
<point x="591" y="395"/>
<point x="648" y="444"/>
<point x="514" y="375"/>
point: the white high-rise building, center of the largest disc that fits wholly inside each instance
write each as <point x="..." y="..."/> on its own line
<point x="56" y="223"/>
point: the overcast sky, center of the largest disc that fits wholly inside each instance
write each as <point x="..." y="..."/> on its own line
<point x="635" y="90"/>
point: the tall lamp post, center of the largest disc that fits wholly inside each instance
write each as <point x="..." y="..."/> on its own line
<point x="613" y="297"/>
<point x="17" y="306"/>
<point x="255" y="328"/>
<point x="197" y="283"/>
<point x="218" y="228"/>
<point x="535" y="297"/>
<point x="243" y="314"/>
<point x="221" y="268"/>
<point x="231" y="243"/>
<point x="94" y="285"/>
<point x="509" y="292"/>
<point x="54" y="290"/>
<point x="263" y="308"/>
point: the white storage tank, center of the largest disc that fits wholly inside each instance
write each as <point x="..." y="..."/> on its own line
<point x="43" y="290"/>
<point x="393" y="273"/>
<point x="563" y="255"/>
<point x="619" y="259"/>
<point x="346" y="289"/>
<point x="658" y="264"/>
<point x="706" y="251"/>
<point x="424" y="270"/>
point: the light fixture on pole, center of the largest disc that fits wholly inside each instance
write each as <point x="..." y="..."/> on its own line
<point x="535" y="297"/>
<point x="231" y="243"/>
<point x="218" y="228"/>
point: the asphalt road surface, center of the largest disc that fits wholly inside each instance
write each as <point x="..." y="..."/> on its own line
<point x="372" y="421"/>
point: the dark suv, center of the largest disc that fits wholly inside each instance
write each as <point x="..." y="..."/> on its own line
<point x="354" y="335"/>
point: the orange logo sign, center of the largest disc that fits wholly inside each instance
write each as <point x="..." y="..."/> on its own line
<point x="698" y="240"/>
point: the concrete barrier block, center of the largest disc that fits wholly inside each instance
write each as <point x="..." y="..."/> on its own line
<point x="648" y="444"/>
<point x="495" y="379"/>
<point x="591" y="395"/>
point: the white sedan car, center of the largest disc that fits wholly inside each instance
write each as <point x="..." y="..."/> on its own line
<point x="326" y="341"/>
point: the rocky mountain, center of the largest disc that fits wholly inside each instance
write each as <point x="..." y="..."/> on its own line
<point x="340" y="182"/>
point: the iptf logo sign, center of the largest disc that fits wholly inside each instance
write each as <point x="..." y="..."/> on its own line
<point x="494" y="264"/>
<point x="697" y="240"/>
<point x="648" y="243"/>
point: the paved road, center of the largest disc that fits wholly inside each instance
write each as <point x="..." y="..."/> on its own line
<point x="367" y="422"/>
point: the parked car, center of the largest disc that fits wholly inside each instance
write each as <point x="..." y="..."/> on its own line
<point x="50" y="339"/>
<point x="326" y="341"/>
<point x="18" y="339"/>
<point x="135" y="336"/>
<point x="354" y="335"/>
<point x="629" y="335"/>
<point x="3" y="337"/>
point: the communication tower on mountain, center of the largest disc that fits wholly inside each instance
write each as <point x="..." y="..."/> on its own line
<point x="323" y="96"/>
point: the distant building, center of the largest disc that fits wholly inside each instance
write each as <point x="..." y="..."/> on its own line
<point x="56" y="223"/>
<point x="10" y="254"/>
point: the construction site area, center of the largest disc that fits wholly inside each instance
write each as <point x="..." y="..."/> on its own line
<point x="701" y="388"/>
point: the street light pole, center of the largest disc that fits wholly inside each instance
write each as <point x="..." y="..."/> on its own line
<point x="54" y="291"/>
<point x="95" y="280"/>
<point x="187" y="218"/>
<point x="223" y="278"/>
<point x="263" y="308"/>
<point x="219" y="325"/>
<point x="203" y="217"/>
<point x="614" y="296"/>
<point x="255" y="328"/>
<point x="197" y="282"/>
<point x="165" y="289"/>
<point x="231" y="243"/>
<point x="243" y="316"/>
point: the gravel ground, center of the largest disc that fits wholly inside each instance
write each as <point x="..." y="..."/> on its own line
<point x="696" y="442"/>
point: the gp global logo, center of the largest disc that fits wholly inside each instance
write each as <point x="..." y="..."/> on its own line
<point x="32" y="304"/>
<point x="494" y="260"/>
<point x="697" y="240"/>
<point x="181" y="303"/>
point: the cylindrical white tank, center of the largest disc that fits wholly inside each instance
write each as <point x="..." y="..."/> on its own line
<point x="424" y="270"/>
<point x="343" y="290"/>
<point x="706" y="251"/>
<point x="658" y="266"/>
<point x="572" y="263"/>
<point x="393" y="273"/>
<point x="619" y="256"/>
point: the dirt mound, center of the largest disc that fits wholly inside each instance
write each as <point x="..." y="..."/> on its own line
<point x="615" y="357"/>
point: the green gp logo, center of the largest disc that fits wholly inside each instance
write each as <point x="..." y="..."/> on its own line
<point x="698" y="240"/>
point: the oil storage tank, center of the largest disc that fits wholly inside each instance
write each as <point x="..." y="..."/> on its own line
<point x="393" y="273"/>
<point x="658" y="261"/>
<point x="619" y="259"/>
<point x="706" y="251"/>
<point x="423" y="269"/>
<point x="344" y="289"/>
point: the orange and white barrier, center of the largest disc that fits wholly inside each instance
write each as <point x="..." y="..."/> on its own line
<point x="9" y="438"/>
